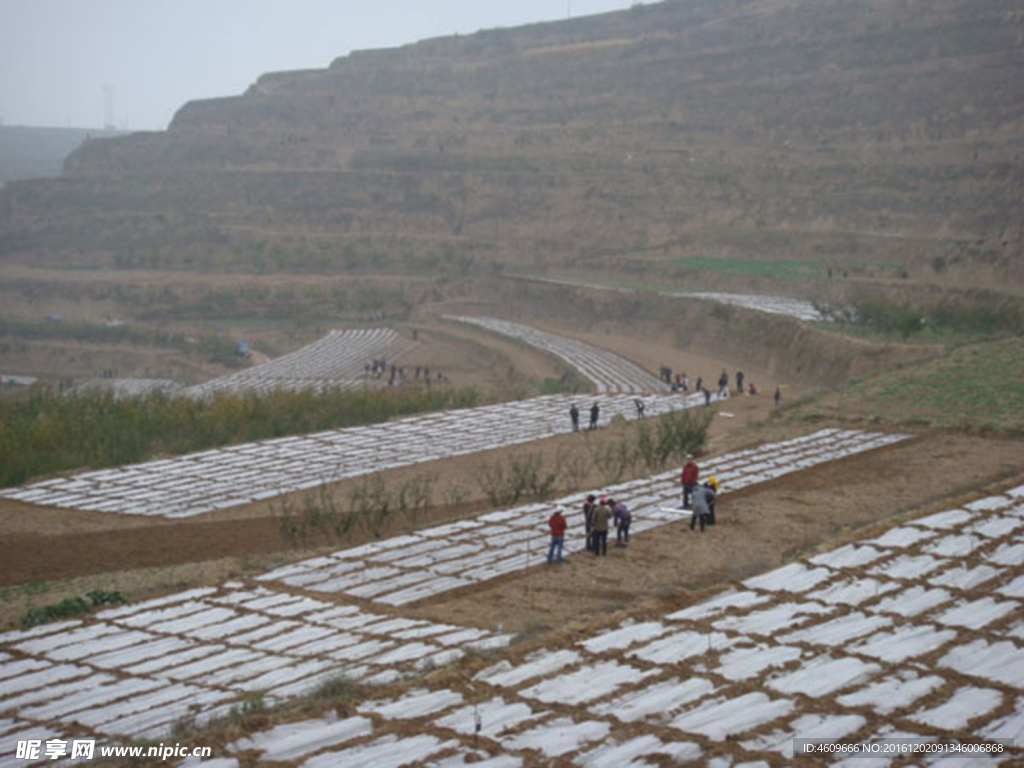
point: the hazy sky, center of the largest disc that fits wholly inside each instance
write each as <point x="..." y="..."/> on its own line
<point x="58" y="57"/>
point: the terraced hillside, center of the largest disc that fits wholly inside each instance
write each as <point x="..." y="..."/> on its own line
<point x="875" y="138"/>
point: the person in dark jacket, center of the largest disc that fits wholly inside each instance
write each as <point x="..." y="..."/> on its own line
<point x="574" y="415"/>
<point x="595" y="412"/>
<point x="602" y="514"/>
<point x="588" y="520"/>
<point x="622" y="518"/>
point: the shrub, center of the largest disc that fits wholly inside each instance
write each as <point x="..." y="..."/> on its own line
<point x="70" y="606"/>
<point x="905" y="320"/>
<point x="889" y="317"/>
<point x="675" y="435"/>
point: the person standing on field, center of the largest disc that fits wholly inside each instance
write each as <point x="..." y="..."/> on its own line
<point x="739" y="382"/>
<point x="588" y="520"/>
<point x="703" y="505"/>
<point x="689" y="479"/>
<point x="595" y="412"/>
<point x="622" y="517"/>
<point x="602" y="514"/>
<point x="574" y="414"/>
<point x="557" y="524"/>
<point x="712" y="483"/>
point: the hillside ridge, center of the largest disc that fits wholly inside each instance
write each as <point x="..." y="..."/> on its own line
<point x="822" y="131"/>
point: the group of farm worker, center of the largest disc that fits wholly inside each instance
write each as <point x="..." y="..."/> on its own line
<point x="679" y="385"/>
<point x="680" y="382"/>
<point x="600" y="515"/>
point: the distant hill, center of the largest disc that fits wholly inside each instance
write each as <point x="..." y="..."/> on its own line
<point x="39" y="153"/>
<point x="850" y="133"/>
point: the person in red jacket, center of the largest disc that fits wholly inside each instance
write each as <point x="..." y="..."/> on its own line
<point x="557" y="524"/>
<point x="689" y="479"/>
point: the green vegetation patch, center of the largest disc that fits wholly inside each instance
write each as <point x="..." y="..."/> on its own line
<point x="791" y="268"/>
<point x="41" y="330"/>
<point x="71" y="606"/>
<point x="943" y="321"/>
<point x="249" y="323"/>
<point x="976" y="386"/>
<point x="858" y="264"/>
<point x="549" y="386"/>
<point x="48" y="433"/>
